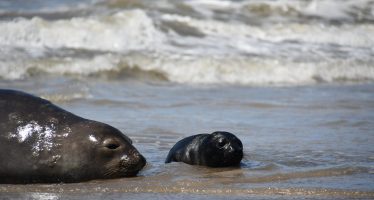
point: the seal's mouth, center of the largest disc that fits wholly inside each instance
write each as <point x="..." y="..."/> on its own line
<point x="120" y="172"/>
<point x="233" y="158"/>
<point x="131" y="174"/>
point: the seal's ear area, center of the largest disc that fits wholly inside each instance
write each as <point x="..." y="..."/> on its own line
<point x="127" y="139"/>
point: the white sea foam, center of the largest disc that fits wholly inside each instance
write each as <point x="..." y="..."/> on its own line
<point x="235" y="53"/>
<point x="123" y="31"/>
<point x="349" y="10"/>
<point x="352" y="35"/>
<point x="338" y="10"/>
<point x="254" y="71"/>
<point x="212" y="69"/>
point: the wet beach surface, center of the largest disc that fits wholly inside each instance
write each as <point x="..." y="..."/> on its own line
<point x="299" y="142"/>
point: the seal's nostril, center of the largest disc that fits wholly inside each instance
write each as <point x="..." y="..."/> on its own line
<point x="142" y="162"/>
<point x="136" y="162"/>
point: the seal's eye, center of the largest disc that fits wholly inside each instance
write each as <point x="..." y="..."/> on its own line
<point x="112" y="146"/>
<point x="221" y="143"/>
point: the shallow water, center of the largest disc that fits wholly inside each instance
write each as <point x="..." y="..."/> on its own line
<point x="306" y="141"/>
<point x="294" y="80"/>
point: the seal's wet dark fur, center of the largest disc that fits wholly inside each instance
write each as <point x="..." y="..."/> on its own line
<point x="219" y="149"/>
<point x="42" y="143"/>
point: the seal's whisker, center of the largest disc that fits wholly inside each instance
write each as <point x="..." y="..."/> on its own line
<point x="112" y="169"/>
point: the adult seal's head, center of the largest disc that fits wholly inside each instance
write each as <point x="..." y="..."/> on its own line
<point x="219" y="149"/>
<point x="42" y="143"/>
<point x="104" y="152"/>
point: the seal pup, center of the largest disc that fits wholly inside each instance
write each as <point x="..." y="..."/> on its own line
<point x="42" y="143"/>
<point x="219" y="149"/>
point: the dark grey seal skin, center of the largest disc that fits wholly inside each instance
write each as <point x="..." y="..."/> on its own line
<point x="42" y="143"/>
<point x="219" y="149"/>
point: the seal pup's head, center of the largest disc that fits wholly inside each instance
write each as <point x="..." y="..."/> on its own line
<point x="103" y="152"/>
<point x="222" y="149"/>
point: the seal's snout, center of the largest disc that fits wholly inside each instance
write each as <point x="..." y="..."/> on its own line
<point x="133" y="163"/>
<point x="238" y="151"/>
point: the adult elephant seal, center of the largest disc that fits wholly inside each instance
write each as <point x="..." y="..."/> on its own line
<point x="42" y="143"/>
<point x="219" y="149"/>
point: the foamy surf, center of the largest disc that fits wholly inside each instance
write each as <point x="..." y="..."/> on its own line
<point x="194" y="69"/>
<point x="287" y="10"/>
<point x="196" y="50"/>
<point x="123" y="31"/>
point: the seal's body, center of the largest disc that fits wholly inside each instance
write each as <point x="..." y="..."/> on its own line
<point x="42" y="143"/>
<point x="219" y="149"/>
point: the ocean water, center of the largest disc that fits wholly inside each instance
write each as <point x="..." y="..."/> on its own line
<point x="294" y="80"/>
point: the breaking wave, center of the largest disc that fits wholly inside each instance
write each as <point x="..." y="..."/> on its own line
<point x="172" y="47"/>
